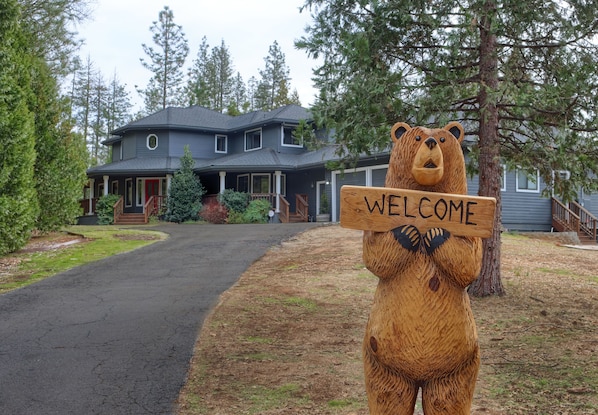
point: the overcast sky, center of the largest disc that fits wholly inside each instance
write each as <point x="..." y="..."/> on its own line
<point x="117" y="29"/>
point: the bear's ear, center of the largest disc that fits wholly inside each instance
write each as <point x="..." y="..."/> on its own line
<point x="397" y="130"/>
<point x="456" y="129"/>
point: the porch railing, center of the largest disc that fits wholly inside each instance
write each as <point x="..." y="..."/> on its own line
<point x="153" y="206"/>
<point x="588" y="223"/>
<point x="118" y="208"/>
<point x="284" y="213"/>
<point x="270" y="197"/>
<point x="301" y="206"/>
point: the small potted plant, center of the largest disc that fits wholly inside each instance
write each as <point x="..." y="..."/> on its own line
<point x="324" y="215"/>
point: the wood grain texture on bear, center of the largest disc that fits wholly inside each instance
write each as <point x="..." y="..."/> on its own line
<point x="421" y="240"/>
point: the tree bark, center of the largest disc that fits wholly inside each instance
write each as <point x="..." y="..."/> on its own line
<point x="489" y="281"/>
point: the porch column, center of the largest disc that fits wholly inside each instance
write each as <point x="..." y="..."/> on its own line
<point x="106" y="185"/>
<point x="92" y="183"/>
<point x="168" y="180"/>
<point x="277" y="175"/>
<point x="222" y="175"/>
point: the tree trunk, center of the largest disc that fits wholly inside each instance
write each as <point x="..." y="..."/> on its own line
<point x="489" y="281"/>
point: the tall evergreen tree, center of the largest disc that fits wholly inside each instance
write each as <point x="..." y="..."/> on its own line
<point x="18" y="200"/>
<point x="273" y="88"/>
<point x="166" y="63"/>
<point x="521" y="76"/>
<point x="50" y="24"/>
<point x="198" y="77"/>
<point x="184" y="195"/>
<point x="119" y="105"/>
<point x="61" y="155"/>
<point x="223" y="77"/>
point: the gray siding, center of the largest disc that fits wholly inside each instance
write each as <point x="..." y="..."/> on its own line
<point x="141" y="144"/>
<point x="129" y="148"/>
<point x="201" y="145"/>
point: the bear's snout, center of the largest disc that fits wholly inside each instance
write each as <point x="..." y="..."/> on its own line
<point x="431" y="143"/>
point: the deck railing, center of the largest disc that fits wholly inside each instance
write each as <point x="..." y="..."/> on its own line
<point x="118" y="208"/>
<point x="301" y="206"/>
<point x="153" y="206"/>
<point x="284" y="213"/>
<point x="588" y="223"/>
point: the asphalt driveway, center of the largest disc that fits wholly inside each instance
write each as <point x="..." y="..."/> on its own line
<point x="116" y="336"/>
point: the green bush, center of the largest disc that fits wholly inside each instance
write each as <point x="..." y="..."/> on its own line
<point x="233" y="200"/>
<point x="105" y="209"/>
<point x="184" y="195"/>
<point x="257" y="211"/>
<point x="235" y="217"/>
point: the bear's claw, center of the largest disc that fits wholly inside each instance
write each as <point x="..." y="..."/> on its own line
<point x="408" y="236"/>
<point x="434" y="238"/>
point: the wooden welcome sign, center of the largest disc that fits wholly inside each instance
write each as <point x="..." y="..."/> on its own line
<point x="381" y="209"/>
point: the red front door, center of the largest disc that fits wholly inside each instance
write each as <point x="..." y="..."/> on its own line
<point x="152" y="188"/>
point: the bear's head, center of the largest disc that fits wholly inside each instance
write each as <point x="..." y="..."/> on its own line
<point x="427" y="159"/>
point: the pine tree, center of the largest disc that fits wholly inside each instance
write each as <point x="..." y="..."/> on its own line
<point x="223" y="77"/>
<point x="273" y="88"/>
<point x="521" y="76"/>
<point x="18" y="200"/>
<point x="166" y="63"/>
<point x="197" y="90"/>
<point x="184" y="195"/>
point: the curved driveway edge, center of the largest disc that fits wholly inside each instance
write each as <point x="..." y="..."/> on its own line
<point x="116" y="336"/>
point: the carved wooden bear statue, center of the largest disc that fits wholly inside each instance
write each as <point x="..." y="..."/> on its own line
<point x="421" y="332"/>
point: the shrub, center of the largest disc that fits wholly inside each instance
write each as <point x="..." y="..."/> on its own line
<point x="235" y="217"/>
<point x="105" y="209"/>
<point x="233" y="200"/>
<point x="184" y="195"/>
<point x="214" y="212"/>
<point x="257" y="211"/>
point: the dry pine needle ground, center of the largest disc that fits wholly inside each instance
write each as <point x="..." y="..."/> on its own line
<point x="286" y="339"/>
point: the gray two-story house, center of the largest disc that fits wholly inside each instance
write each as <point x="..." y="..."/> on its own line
<point x="257" y="153"/>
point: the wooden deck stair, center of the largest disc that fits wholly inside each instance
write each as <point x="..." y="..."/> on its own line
<point x="574" y="218"/>
<point x="130" y="219"/>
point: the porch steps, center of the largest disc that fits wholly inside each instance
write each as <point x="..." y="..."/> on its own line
<point x="295" y="218"/>
<point x="586" y="240"/>
<point x="131" y="219"/>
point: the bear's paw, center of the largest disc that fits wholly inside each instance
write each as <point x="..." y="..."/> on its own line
<point x="434" y="238"/>
<point x="408" y="236"/>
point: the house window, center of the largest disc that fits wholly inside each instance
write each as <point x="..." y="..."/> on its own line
<point x="260" y="183"/>
<point x="243" y="183"/>
<point x="221" y="143"/>
<point x="100" y="189"/>
<point x="129" y="192"/>
<point x="503" y="177"/>
<point x="287" y="137"/>
<point x="253" y="139"/>
<point x="139" y="197"/>
<point x="152" y="141"/>
<point x="527" y="181"/>
<point x="114" y="187"/>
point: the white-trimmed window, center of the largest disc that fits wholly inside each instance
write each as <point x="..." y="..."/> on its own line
<point x="221" y="143"/>
<point x="260" y="183"/>
<point x="253" y="139"/>
<point x="528" y="181"/>
<point x="139" y="197"/>
<point x="503" y="177"/>
<point x="128" y="192"/>
<point x="114" y="187"/>
<point x="243" y="183"/>
<point x="287" y="136"/>
<point x="152" y="141"/>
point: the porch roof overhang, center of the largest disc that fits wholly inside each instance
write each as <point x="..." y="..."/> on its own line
<point x="140" y="167"/>
<point x="268" y="159"/>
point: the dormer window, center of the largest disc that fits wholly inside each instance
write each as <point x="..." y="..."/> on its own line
<point x="253" y="139"/>
<point x="287" y="137"/>
<point x="152" y="141"/>
<point x="221" y="143"/>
